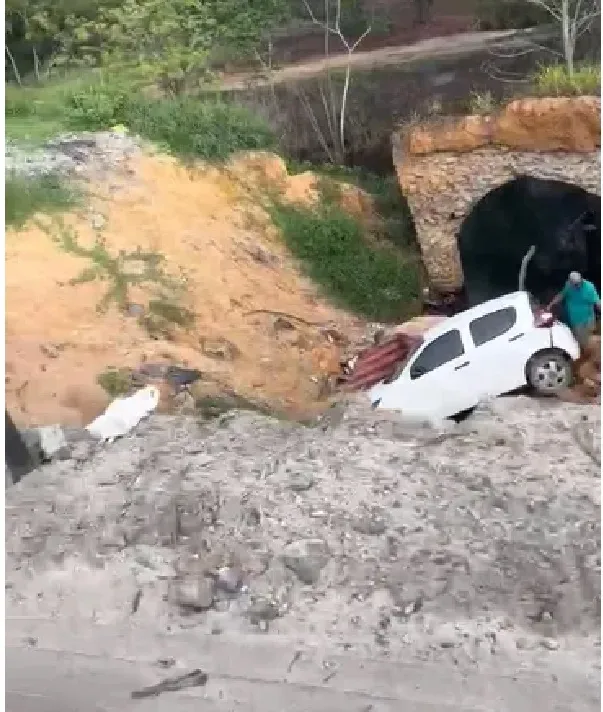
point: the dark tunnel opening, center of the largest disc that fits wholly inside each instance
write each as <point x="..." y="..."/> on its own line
<point x="561" y="220"/>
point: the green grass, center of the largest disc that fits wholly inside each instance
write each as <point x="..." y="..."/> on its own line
<point x="555" y="80"/>
<point x="36" y="112"/>
<point x="115" y="381"/>
<point x="378" y="283"/>
<point x="390" y="204"/>
<point x="120" y="272"/>
<point x="24" y="197"/>
<point x="482" y="103"/>
<point x="207" y="128"/>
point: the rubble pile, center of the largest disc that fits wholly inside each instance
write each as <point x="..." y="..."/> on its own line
<point x="361" y="531"/>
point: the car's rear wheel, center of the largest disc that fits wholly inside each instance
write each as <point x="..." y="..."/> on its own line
<point x="549" y="372"/>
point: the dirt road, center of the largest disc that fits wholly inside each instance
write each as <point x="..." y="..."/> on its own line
<point x="430" y="49"/>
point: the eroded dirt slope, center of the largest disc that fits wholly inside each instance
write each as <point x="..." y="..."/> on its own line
<point x="213" y="234"/>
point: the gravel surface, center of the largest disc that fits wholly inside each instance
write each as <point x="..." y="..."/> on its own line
<point x="363" y="533"/>
<point x="93" y="154"/>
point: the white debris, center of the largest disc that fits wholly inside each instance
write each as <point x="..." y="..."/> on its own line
<point x="52" y="440"/>
<point x="124" y="414"/>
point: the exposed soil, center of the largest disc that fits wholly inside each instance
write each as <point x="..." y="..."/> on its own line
<point x="207" y="225"/>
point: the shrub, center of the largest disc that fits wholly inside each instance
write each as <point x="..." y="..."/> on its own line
<point x="208" y="129"/>
<point x="376" y="283"/>
<point x="187" y="126"/>
<point x="555" y="80"/>
<point x="96" y="107"/>
<point x="482" y="103"/>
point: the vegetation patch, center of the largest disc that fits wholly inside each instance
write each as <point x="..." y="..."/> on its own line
<point x="25" y="197"/>
<point x="397" y="225"/>
<point x="115" y="381"/>
<point x="556" y="80"/>
<point x="210" y="129"/>
<point x="381" y="284"/>
<point x="216" y="406"/>
<point x="121" y="272"/>
<point x="482" y="103"/>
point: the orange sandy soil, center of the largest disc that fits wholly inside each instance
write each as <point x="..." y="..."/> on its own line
<point x="204" y="220"/>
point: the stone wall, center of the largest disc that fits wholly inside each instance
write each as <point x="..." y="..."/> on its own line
<point x="444" y="167"/>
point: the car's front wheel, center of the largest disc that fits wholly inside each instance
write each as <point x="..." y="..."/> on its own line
<point x="549" y="372"/>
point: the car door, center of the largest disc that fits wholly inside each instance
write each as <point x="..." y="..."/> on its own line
<point x="502" y="349"/>
<point x="435" y="382"/>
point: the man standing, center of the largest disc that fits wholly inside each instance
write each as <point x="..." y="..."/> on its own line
<point x="580" y="299"/>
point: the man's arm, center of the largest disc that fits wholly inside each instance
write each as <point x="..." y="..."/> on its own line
<point x="557" y="299"/>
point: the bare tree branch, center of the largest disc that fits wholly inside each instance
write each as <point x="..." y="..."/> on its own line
<point x="335" y="30"/>
<point x="13" y="64"/>
<point x="549" y="6"/>
<point x="509" y="77"/>
<point x="574" y="18"/>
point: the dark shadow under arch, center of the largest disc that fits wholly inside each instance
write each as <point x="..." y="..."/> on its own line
<point x="562" y="221"/>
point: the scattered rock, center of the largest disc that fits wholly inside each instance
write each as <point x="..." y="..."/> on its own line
<point x="95" y="154"/>
<point x="306" y="558"/>
<point x="50" y="350"/>
<point x="166" y="663"/>
<point x="334" y="336"/>
<point x="179" y="377"/>
<point x="98" y="221"/>
<point x="404" y="610"/>
<point x="53" y="442"/>
<point x="220" y="348"/>
<point x="300" y="481"/>
<point x="372" y="522"/>
<point x="192" y="593"/>
<point x="263" y="610"/>
<point x="229" y="579"/>
<point x="282" y="324"/>
<point x="262" y="255"/>
<point x="550" y="644"/>
<point x="49" y="443"/>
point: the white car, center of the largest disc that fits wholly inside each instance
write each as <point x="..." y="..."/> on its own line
<point x="484" y="352"/>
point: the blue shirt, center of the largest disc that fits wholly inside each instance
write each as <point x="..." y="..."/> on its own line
<point x="579" y="301"/>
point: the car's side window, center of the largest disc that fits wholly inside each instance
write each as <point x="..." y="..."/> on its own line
<point x="441" y="350"/>
<point x="488" y="327"/>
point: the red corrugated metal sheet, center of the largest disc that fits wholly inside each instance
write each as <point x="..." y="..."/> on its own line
<point x="379" y="362"/>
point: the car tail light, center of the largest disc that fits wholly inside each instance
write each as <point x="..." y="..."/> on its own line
<point x="543" y="319"/>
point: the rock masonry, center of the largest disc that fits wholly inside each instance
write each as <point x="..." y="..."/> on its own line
<point x="445" y="167"/>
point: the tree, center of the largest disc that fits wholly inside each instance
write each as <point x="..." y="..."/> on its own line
<point x="39" y="34"/>
<point x="335" y="107"/>
<point x="171" y="40"/>
<point x="575" y="18"/>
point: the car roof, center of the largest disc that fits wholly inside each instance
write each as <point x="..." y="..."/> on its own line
<point x="516" y="299"/>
